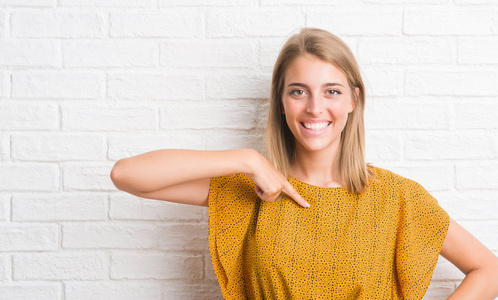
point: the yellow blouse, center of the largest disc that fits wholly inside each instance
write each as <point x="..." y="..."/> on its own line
<point x="383" y="244"/>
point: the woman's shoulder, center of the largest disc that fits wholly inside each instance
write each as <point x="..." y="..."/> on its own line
<point x="237" y="181"/>
<point x="232" y="178"/>
<point x="386" y="178"/>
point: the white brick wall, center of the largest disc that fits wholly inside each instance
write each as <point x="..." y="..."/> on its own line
<point x="84" y="83"/>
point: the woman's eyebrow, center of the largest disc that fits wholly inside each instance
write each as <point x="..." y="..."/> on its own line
<point x="323" y="85"/>
<point x="297" y="84"/>
<point x="332" y="84"/>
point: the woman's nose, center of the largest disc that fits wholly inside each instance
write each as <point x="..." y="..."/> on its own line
<point x="315" y="104"/>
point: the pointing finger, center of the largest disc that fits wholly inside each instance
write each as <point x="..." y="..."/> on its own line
<point x="289" y="190"/>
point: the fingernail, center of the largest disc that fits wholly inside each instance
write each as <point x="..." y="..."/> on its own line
<point x="306" y="204"/>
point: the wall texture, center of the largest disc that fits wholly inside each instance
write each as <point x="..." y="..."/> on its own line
<point x="84" y="83"/>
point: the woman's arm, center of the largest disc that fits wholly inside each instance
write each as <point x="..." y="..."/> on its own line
<point x="183" y="175"/>
<point x="478" y="263"/>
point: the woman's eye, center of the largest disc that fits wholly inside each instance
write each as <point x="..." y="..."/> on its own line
<point x="333" y="92"/>
<point x="297" y="92"/>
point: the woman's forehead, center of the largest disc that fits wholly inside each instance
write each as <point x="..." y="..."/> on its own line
<point x="309" y="69"/>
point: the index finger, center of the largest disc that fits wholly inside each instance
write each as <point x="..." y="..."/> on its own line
<point x="289" y="190"/>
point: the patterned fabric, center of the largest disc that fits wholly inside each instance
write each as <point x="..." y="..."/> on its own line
<point x="383" y="244"/>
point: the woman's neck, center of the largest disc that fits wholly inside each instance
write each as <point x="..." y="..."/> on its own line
<point x="317" y="168"/>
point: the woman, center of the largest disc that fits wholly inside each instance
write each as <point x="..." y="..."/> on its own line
<point x="341" y="229"/>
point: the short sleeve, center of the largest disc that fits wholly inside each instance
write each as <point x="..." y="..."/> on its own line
<point x="422" y="228"/>
<point x="233" y="207"/>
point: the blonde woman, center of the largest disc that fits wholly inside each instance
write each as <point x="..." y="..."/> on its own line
<point x="341" y="229"/>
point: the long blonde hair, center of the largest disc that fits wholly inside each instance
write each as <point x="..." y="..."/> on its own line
<point x="280" y="142"/>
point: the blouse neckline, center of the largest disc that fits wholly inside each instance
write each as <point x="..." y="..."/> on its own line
<point x="337" y="188"/>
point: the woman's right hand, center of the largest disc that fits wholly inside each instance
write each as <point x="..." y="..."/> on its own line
<point x="270" y="183"/>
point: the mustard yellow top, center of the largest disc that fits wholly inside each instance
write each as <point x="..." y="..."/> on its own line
<point x="383" y="244"/>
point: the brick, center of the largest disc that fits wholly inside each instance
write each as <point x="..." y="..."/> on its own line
<point x="156" y="86"/>
<point x="407" y="1"/>
<point x="29" y="177"/>
<point x="21" y="53"/>
<point x="233" y="140"/>
<point x="190" y="3"/>
<point x="4" y="268"/>
<point x="184" y="237"/>
<point x="4" y="207"/>
<point x="4" y="84"/>
<point x="237" y="86"/>
<point x="31" y="290"/>
<point x="56" y="84"/>
<point x="383" y="80"/>
<point x="28" y="237"/>
<point x="444" y="22"/>
<point x="357" y="22"/>
<point x="495" y="144"/>
<point x="485" y="231"/>
<point x="192" y="291"/>
<point x="478" y="51"/>
<point x="108" y="117"/>
<point x="56" y="25"/>
<point x="173" y="24"/>
<point x="431" y="177"/>
<point x="128" y="207"/>
<point x="439" y="290"/>
<point x="105" y="290"/>
<point x="308" y="2"/>
<point x="453" y="83"/>
<point x="236" y="22"/>
<point x="4" y="147"/>
<point x="57" y="146"/>
<point x="477" y="176"/>
<point x="269" y="49"/>
<point x="476" y="2"/>
<point x="28" y="116"/>
<point x="104" y="235"/>
<point x="2" y="25"/>
<point x="476" y="113"/>
<point x="383" y="146"/>
<point x="209" y="273"/>
<point x="444" y="145"/>
<point x="208" y="53"/>
<point x="136" y="53"/>
<point x="406" y="51"/>
<point x="108" y="3"/>
<point x="125" y="145"/>
<point x="87" y="177"/>
<point x="59" y="207"/>
<point x="61" y="266"/>
<point x="417" y="113"/>
<point x="234" y="115"/>
<point x="469" y="205"/>
<point x="36" y="3"/>
<point x="155" y="265"/>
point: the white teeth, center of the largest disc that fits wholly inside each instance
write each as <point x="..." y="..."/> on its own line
<point x="316" y="126"/>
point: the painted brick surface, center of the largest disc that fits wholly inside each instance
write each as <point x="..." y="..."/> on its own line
<point x="61" y="265"/>
<point x="59" y="207"/>
<point x="56" y="25"/>
<point x="84" y="83"/>
<point x="107" y="290"/>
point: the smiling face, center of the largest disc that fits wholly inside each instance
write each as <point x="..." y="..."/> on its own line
<point x="316" y="102"/>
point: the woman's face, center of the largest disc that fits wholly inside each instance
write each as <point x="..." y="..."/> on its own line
<point x="316" y="100"/>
